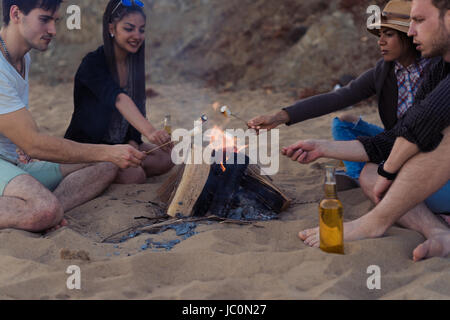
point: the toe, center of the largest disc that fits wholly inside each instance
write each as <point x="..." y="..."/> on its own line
<point x="312" y="240"/>
<point x="305" y="234"/>
<point x="420" y="252"/>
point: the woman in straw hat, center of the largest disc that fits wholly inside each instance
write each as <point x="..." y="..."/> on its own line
<point x="109" y="92"/>
<point x="394" y="80"/>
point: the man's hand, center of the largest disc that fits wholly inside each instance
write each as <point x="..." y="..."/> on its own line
<point x="381" y="187"/>
<point x="268" y="122"/>
<point x="159" y="138"/>
<point x="304" y="151"/>
<point x="125" y="156"/>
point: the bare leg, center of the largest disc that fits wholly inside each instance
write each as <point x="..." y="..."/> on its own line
<point x="83" y="185"/>
<point x="348" y="117"/>
<point x="28" y="205"/>
<point x="367" y="180"/>
<point x="131" y="176"/>
<point x="67" y="169"/>
<point x="419" y="219"/>
<point x="158" y="162"/>
<point x="420" y="177"/>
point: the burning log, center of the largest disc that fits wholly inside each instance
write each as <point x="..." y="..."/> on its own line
<point x="181" y="191"/>
<point x="225" y="190"/>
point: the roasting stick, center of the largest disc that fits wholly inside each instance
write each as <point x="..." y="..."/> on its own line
<point x="193" y="132"/>
<point x="227" y="113"/>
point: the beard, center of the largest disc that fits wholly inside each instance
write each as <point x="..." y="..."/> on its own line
<point x="440" y="44"/>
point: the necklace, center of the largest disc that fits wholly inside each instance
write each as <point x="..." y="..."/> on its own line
<point x="21" y="71"/>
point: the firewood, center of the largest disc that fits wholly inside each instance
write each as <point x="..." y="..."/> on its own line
<point x="201" y="190"/>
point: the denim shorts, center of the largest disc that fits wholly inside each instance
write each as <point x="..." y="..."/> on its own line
<point x="347" y="131"/>
<point x="47" y="173"/>
<point x="439" y="202"/>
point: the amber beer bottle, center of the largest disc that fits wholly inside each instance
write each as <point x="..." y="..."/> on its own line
<point x="168" y="124"/>
<point x="331" y="224"/>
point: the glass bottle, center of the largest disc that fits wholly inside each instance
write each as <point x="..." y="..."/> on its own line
<point x="168" y="124"/>
<point x="331" y="224"/>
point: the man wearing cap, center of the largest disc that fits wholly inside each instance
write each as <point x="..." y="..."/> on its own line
<point x="413" y="181"/>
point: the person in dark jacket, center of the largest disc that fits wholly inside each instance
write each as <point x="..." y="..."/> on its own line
<point x="412" y="182"/>
<point x="109" y="93"/>
<point x="394" y="81"/>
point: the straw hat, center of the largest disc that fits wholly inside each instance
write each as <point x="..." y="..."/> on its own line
<point x="396" y="15"/>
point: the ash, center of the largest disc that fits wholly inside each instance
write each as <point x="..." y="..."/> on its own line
<point x="246" y="206"/>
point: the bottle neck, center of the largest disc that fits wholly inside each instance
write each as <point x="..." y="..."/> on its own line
<point x="330" y="191"/>
<point x="330" y="183"/>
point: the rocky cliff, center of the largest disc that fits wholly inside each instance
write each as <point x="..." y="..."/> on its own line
<point x="231" y="44"/>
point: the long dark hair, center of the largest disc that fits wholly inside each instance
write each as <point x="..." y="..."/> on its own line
<point x="408" y="43"/>
<point x="136" y="60"/>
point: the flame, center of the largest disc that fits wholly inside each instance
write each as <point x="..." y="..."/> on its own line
<point x="220" y="140"/>
<point x="241" y="148"/>
<point x="223" y="141"/>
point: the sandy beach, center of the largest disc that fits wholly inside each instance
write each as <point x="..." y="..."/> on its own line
<point x="264" y="260"/>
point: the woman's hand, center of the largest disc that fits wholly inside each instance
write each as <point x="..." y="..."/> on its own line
<point x="159" y="138"/>
<point x="268" y="122"/>
<point x="304" y="151"/>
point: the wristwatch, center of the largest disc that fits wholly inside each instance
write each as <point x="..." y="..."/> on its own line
<point x="385" y="174"/>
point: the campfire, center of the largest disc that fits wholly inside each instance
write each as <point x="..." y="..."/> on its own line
<point x="227" y="188"/>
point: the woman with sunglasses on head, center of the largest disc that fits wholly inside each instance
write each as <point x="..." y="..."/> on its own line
<point x="394" y="81"/>
<point x="109" y="93"/>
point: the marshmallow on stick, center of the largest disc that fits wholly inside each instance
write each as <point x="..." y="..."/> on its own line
<point x="193" y="132"/>
<point x="225" y="110"/>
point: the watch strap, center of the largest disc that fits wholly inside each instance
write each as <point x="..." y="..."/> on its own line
<point x="384" y="173"/>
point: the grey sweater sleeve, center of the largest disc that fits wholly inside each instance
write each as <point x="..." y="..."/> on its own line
<point x="356" y="91"/>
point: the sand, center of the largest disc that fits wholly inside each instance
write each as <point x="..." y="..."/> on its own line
<point x="265" y="260"/>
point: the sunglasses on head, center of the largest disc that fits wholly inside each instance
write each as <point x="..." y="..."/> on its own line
<point x="128" y="3"/>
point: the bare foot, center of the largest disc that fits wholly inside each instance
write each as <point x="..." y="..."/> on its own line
<point x="349" y="118"/>
<point x="63" y="223"/>
<point x="446" y="218"/>
<point x="437" y="246"/>
<point x="353" y="230"/>
<point x="310" y="237"/>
